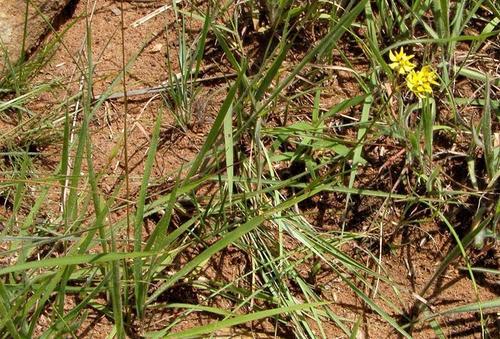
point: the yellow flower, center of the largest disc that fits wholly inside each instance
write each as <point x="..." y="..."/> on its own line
<point x="429" y="75"/>
<point x="401" y="62"/>
<point x="420" y="82"/>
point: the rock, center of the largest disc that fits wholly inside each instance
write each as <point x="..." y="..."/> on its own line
<point x="12" y="16"/>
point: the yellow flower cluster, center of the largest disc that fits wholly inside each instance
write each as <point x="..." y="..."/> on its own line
<point x="419" y="82"/>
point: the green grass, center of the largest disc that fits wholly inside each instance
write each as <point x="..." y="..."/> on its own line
<point x="276" y="147"/>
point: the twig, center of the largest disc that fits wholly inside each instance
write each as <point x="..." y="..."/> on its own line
<point x="158" y="89"/>
<point x="151" y="15"/>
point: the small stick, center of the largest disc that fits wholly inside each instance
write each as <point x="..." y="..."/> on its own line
<point x="151" y="15"/>
<point x="158" y="89"/>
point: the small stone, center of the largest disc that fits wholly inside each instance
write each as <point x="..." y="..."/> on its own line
<point x="116" y="11"/>
<point x="156" y="48"/>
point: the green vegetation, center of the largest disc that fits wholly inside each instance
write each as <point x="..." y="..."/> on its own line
<point x="289" y="139"/>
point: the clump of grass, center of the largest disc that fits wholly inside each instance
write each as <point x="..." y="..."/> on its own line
<point x="183" y="90"/>
<point x="267" y="158"/>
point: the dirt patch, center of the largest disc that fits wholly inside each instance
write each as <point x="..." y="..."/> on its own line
<point x="42" y="15"/>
